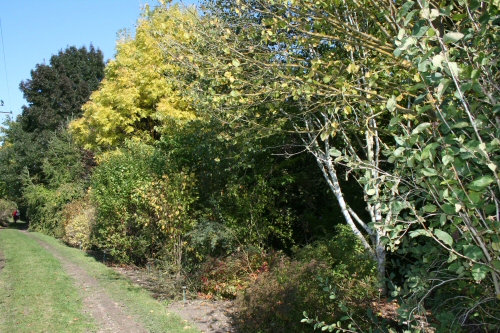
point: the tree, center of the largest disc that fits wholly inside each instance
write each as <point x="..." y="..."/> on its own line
<point x="417" y="122"/>
<point x="20" y="149"/>
<point x="139" y="92"/>
<point x="325" y="70"/>
<point x="248" y="193"/>
<point x="449" y="158"/>
<point x="56" y="92"/>
<point x="59" y="182"/>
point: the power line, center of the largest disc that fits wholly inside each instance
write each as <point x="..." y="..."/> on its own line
<point x="5" y="66"/>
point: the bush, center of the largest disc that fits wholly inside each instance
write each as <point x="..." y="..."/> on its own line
<point x="44" y="206"/>
<point x="113" y="182"/>
<point x="142" y="213"/>
<point x="277" y="299"/>
<point x="225" y="277"/>
<point x="343" y="251"/>
<point x="6" y="209"/>
<point x="78" y="219"/>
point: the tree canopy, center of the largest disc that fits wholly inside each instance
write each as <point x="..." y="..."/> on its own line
<point x="32" y="144"/>
<point x="395" y="92"/>
<point x="56" y="91"/>
<point x="140" y="91"/>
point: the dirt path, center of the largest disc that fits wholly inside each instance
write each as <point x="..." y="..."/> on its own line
<point x="2" y="261"/>
<point x="207" y="316"/>
<point x="109" y="315"/>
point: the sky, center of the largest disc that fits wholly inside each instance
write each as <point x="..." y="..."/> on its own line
<point x="34" y="30"/>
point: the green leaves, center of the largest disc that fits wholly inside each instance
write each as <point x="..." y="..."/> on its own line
<point x="57" y="91"/>
<point x="430" y="208"/>
<point x="439" y="234"/>
<point x="449" y="208"/>
<point x="444" y="237"/>
<point x="452" y="37"/>
<point x="335" y="152"/>
<point x="450" y="159"/>
<point x="420" y="128"/>
<point x="479" y="272"/>
<point x="473" y="252"/>
<point x="391" y="103"/>
<point x="419" y="232"/>
<point x="481" y="183"/>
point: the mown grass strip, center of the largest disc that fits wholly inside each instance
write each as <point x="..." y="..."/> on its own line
<point x="150" y="313"/>
<point x="36" y="295"/>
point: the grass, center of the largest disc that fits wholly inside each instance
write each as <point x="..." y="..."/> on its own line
<point x="35" y="293"/>
<point x="149" y="312"/>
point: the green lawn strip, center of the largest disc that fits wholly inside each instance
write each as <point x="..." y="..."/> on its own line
<point x="150" y="313"/>
<point x="36" y="295"/>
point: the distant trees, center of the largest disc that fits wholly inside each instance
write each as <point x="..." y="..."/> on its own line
<point x="37" y="155"/>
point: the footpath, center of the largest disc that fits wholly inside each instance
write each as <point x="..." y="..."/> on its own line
<point x="109" y="315"/>
<point x="112" y="315"/>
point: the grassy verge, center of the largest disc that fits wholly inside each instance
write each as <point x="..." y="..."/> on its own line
<point x="151" y="313"/>
<point x="35" y="294"/>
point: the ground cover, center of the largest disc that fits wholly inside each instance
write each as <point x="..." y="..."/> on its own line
<point x="150" y="313"/>
<point x="36" y="295"/>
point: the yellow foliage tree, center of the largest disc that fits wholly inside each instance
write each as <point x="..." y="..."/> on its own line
<point x="139" y="91"/>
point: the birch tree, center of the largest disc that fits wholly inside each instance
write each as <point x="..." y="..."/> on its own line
<point x="450" y="156"/>
<point x="411" y="92"/>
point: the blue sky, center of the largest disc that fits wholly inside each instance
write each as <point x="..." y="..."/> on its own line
<point x="33" y="30"/>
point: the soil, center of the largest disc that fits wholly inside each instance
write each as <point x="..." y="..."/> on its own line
<point x="209" y="316"/>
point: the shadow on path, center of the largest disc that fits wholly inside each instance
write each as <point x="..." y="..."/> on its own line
<point x="19" y="225"/>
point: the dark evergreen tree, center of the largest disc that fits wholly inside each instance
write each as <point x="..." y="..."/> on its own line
<point x="57" y="91"/>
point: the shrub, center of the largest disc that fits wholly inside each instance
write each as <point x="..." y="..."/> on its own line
<point x="113" y="181"/>
<point x="225" y="277"/>
<point x="6" y="209"/>
<point x="343" y="251"/>
<point x="163" y="208"/>
<point x="78" y="219"/>
<point x="142" y="213"/>
<point x="44" y="205"/>
<point x="277" y="299"/>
